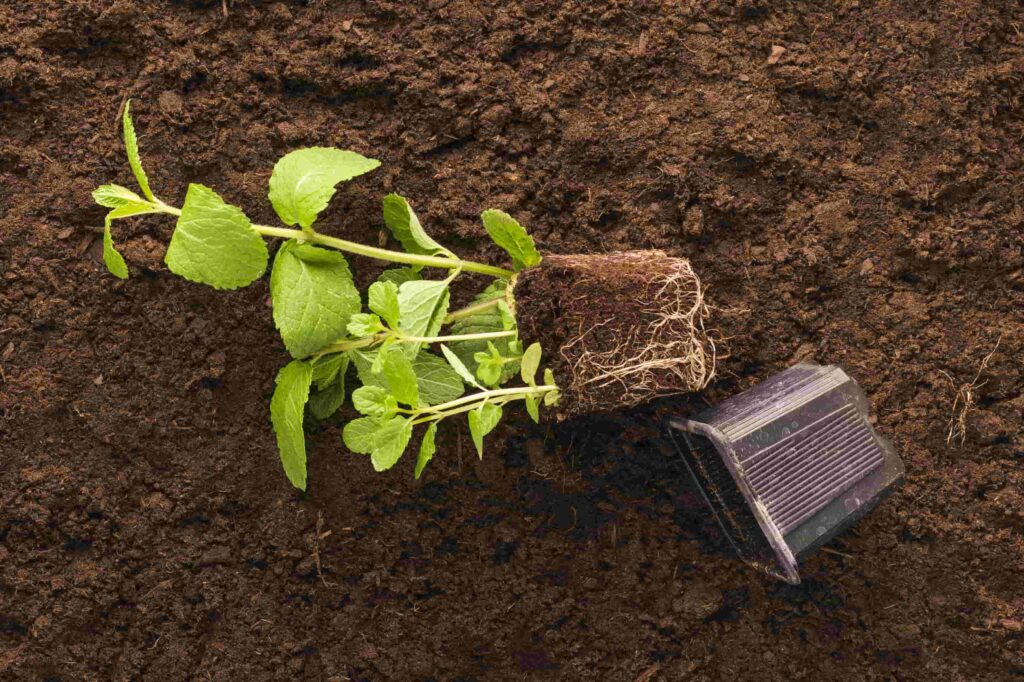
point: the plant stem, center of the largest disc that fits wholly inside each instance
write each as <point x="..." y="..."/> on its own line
<point x="354" y="344"/>
<point x="368" y="251"/>
<point x="444" y="409"/>
<point x="471" y="310"/>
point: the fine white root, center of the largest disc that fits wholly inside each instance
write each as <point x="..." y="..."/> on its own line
<point x="668" y="352"/>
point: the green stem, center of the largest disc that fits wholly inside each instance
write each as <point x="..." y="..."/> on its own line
<point x="354" y="344"/>
<point x="445" y="409"/>
<point x="363" y="250"/>
<point x="471" y="310"/>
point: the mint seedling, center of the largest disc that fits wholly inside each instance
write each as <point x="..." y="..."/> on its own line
<point x="622" y="328"/>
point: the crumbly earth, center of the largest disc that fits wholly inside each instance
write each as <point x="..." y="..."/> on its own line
<point x="621" y="328"/>
<point x="844" y="176"/>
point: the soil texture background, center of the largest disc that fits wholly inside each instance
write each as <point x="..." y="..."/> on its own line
<point x="846" y="178"/>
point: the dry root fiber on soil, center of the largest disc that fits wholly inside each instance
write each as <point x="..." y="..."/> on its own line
<point x="627" y="326"/>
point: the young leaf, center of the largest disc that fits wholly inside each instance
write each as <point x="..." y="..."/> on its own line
<point x="459" y="367"/>
<point x="383" y="300"/>
<point x="510" y="235"/>
<point x="487" y="320"/>
<point x="303" y="181"/>
<point x="404" y="224"/>
<point x="371" y="401"/>
<point x="214" y="244"/>
<point x="427" y="449"/>
<point x="131" y="145"/>
<point x="389" y="442"/>
<point x="529" y="364"/>
<point x="549" y="377"/>
<point x="532" y="408"/>
<point x="329" y="377"/>
<point x="364" y="324"/>
<point x="482" y="421"/>
<point x="401" y="377"/>
<point x="115" y="196"/>
<point x="328" y="399"/>
<point x="552" y="397"/>
<point x="422" y="307"/>
<point x="111" y="258"/>
<point x="313" y="295"/>
<point x="358" y="435"/>
<point x="436" y="380"/>
<point x="399" y="276"/>
<point x="286" y="408"/>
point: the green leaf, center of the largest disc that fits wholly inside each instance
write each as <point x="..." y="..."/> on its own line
<point x="529" y="364"/>
<point x="459" y="367"/>
<point x="364" y="324"/>
<point x="399" y="275"/>
<point x="488" y="371"/>
<point x="404" y="224"/>
<point x="115" y="196"/>
<point x="532" y="408"/>
<point x="111" y="258"/>
<point x="510" y="235"/>
<point x="286" y="408"/>
<point x="389" y="442"/>
<point x="422" y="307"/>
<point x="488" y="320"/>
<point x="549" y="377"/>
<point x="427" y="449"/>
<point x="401" y="377"/>
<point x="314" y="297"/>
<point x="303" y="181"/>
<point x="327" y="400"/>
<point x="436" y="380"/>
<point x="131" y="145"/>
<point x="482" y="421"/>
<point x="214" y="244"/>
<point x="383" y="300"/>
<point x="358" y="435"/>
<point x="327" y="367"/>
<point x="371" y="400"/>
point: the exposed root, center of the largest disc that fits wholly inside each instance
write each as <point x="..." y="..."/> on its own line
<point x="632" y="328"/>
<point x="963" y="402"/>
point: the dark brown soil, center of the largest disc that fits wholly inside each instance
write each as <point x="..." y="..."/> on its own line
<point x="854" y="199"/>
<point x="620" y="329"/>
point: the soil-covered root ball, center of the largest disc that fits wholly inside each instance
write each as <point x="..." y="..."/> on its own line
<point x="620" y="328"/>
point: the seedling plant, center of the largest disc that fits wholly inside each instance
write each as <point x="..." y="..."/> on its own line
<point x="414" y="358"/>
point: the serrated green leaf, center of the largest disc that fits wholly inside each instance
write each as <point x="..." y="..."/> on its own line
<point x="532" y="408"/>
<point x="131" y="145"/>
<point x="511" y="236"/>
<point x="399" y="275"/>
<point x="389" y="442"/>
<point x="370" y="400"/>
<point x="326" y="401"/>
<point x="427" y="449"/>
<point x="459" y="366"/>
<point x="358" y="435"/>
<point x="364" y="324"/>
<point x="303" y="181"/>
<point x="436" y="380"/>
<point x="529" y="364"/>
<point x="286" y="408"/>
<point x="383" y="300"/>
<point x="401" y="377"/>
<point x="405" y="226"/>
<point x="114" y="196"/>
<point x="327" y="367"/>
<point x="111" y="257"/>
<point x="484" y="321"/>
<point x="487" y="371"/>
<point x="482" y="421"/>
<point x="314" y="297"/>
<point x="214" y="244"/>
<point x="422" y="307"/>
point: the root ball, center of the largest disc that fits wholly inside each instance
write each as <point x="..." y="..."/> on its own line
<point x="617" y="329"/>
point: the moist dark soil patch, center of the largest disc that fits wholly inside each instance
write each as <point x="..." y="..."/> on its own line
<point x="853" y="199"/>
